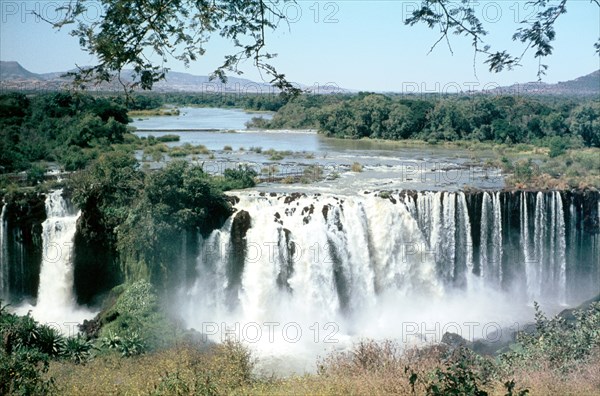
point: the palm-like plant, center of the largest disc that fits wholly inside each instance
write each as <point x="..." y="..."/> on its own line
<point x="50" y="341"/>
<point x="77" y="349"/>
<point x="132" y="345"/>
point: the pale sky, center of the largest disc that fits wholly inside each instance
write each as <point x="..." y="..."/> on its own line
<point x="356" y="44"/>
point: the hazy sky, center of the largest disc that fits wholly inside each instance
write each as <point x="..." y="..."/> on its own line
<point x="354" y="44"/>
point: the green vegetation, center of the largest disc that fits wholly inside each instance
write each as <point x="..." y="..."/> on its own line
<point x="139" y="350"/>
<point x="26" y="351"/>
<point x="67" y="128"/>
<point x="560" y="135"/>
<point x="168" y="138"/>
<point x="154" y="112"/>
<point x="141" y="216"/>
<point x="558" y="123"/>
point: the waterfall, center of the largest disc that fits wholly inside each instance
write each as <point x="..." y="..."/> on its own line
<point x="465" y="238"/>
<point x="342" y="253"/>
<point x="56" y="302"/>
<point x="368" y="261"/>
<point x="323" y="256"/>
<point x="529" y="261"/>
<point x="497" y="239"/>
<point x="539" y="245"/>
<point x="4" y="274"/>
<point x="560" y="247"/>
<point x="56" y="273"/>
<point x="546" y="263"/>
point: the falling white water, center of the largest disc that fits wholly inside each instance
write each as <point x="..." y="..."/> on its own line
<point x="4" y="291"/>
<point x="539" y="245"/>
<point x="369" y="264"/>
<point x="56" y="301"/>
<point x="484" y="237"/>
<point x="497" y="238"/>
<point x="490" y="247"/>
<point x="560" y="247"/>
<point x="56" y="273"/>
<point x="362" y="265"/>
<point x="546" y="266"/>
<point x="466" y="240"/>
<point x="529" y="261"/>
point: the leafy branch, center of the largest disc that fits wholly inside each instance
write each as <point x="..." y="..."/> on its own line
<point x="143" y="35"/>
<point x="537" y="34"/>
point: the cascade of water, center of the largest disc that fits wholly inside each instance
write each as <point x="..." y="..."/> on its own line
<point x="465" y="238"/>
<point x="347" y="233"/>
<point x="497" y="239"/>
<point x="364" y="261"/>
<point x="525" y="246"/>
<point x="436" y="217"/>
<point x="538" y="245"/>
<point x="56" y="273"/>
<point x="320" y="256"/>
<point x="402" y="257"/>
<point x="560" y="248"/>
<point x="484" y="269"/>
<point x="207" y="296"/>
<point x="4" y="282"/>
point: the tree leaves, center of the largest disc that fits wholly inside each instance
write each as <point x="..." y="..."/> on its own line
<point x="461" y="19"/>
<point x="145" y="34"/>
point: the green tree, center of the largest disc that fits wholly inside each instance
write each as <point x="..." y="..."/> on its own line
<point x="126" y="35"/>
<point x="585" y="122"/>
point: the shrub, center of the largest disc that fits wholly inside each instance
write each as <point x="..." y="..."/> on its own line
<point x="36" y="174"/>
<point x="559" y="343"/>
<point x="135" y="312"/>
<point x="168" y="138"/>
<point x="77" y="349"/>
<point x="22" y="372"/>
<point x="558" y="146"/>
<point x="459" y="377"/>
<point x="242" y="177"/>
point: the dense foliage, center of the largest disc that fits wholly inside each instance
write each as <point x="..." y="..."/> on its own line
<point x="143" y="216"/>
<point x="27" y="349"/>
<point x="558" y="123"/>
<point x="68" y="128"/>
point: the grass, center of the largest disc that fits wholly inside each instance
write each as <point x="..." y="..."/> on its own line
<point x="185" y="369"/>
<point x="574" y="169"/>
<point x="154" y="112"/>
<point x="559" y="357"/>
<point x="188" y="149"/>
<point x="373" y="368"/>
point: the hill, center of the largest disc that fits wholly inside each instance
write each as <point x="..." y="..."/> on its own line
<point x="584" y="85"/>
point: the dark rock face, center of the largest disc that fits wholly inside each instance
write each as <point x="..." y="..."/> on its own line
<point x="292" y="197"/>
<point x="25" y="213"/>
<point x="96" y="266"/>
<point x="287" y="268"/>
<point x="239" y="227"/>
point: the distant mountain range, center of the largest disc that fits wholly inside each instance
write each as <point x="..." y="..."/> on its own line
<point x="15" y="76"/>
<point x="585" y="85"/>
